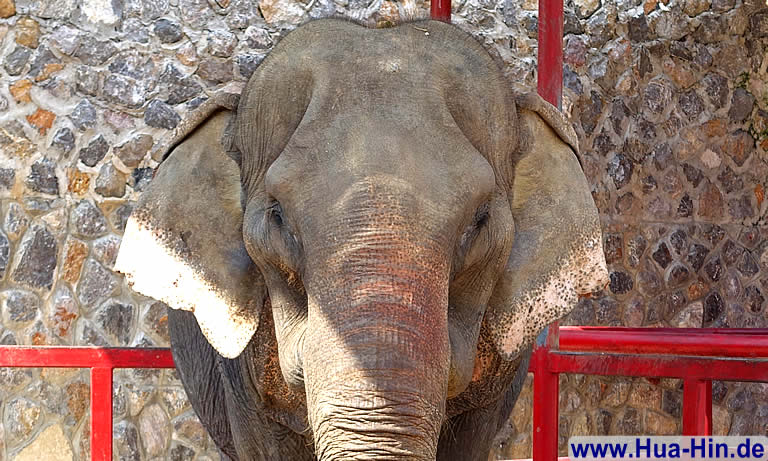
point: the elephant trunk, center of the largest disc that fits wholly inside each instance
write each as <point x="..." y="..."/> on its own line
<point x="377" y="352"/>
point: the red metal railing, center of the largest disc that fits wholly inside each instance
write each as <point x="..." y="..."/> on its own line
<point x="722" y="354"/>
<point x="101" y="361"/>
<point x="696" y="355"/>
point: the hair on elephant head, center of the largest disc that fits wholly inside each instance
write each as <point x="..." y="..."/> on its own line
<point x="369" y="240"/>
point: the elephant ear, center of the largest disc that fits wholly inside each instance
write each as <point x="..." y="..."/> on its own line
<point x="557" y="253"/>
<point x="183" y="243"/>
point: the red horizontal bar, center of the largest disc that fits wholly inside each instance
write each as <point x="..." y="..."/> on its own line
<point x="660" y="366"/>
<point x="85" y="357"/>
<point x="716" y="342"/>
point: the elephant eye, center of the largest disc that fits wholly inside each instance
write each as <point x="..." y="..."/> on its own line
<point x="481" y="215"/>
<point x="275" y="211"/>
<point x="478" y="221"/>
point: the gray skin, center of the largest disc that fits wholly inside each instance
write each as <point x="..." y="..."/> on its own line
<point x="360" y="251"/>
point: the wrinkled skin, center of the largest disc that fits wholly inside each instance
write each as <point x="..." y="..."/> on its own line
<point x="368" y="241"/>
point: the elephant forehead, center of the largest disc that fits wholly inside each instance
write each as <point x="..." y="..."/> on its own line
<point x="376" y="65"/>
<point x="374" y="98"/>
<point x="329" y="158"/>
<point x="434" y="42"/>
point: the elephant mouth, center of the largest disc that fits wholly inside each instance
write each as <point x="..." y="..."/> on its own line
<point x="373" y="417"/>
<point x="370" y="427"/>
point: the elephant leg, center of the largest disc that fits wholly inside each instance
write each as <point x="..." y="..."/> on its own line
<point x="469" y="436"/>
<point x="226" y="405"/>
<point x="257" y="436"/>
<point x="197" y="364"/>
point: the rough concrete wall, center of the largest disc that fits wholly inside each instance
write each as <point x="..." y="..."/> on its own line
<point x="667" y="100"/>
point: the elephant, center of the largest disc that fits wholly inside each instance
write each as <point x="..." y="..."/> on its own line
<point x="360" y="244"/>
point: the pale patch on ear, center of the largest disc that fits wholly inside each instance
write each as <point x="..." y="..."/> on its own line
<point x="226" y="324"/>
<point x="583" y="270"/>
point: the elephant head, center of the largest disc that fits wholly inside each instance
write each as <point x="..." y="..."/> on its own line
<point x="395" y="203"/>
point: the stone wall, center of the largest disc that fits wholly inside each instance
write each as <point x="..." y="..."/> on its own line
<point x="671" y="106"/>
<point x="669" y="101"/>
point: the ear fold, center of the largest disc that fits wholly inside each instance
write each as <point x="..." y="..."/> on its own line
<point x="183" y="243"/>
<point x="557" y="252"/>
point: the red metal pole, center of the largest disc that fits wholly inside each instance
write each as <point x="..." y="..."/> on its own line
<point x="440" y="10"/>
<point x="101" y="414"/>
<point x="546" y="388"/>
<point x="697" y="407"/>
<point x="716" y="342"/>
<point x="546" y="383"/>
<point x="550" y="62"/>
